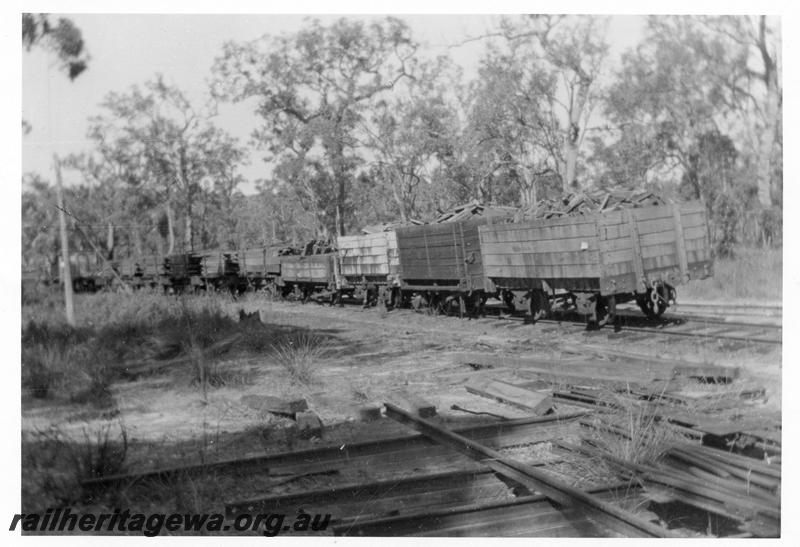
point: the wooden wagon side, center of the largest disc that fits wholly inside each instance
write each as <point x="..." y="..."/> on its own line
<point x="307" y="273"/>
<point x="441" y="257"/>
<point x="636" y="253"/>
<point x="251" y="262"/>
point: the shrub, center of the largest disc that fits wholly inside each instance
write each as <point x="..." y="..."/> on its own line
<point x="54" y="463"/>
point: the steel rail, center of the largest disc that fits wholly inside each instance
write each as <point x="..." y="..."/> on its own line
<point x="534" y="479"/>
<point x="318" y="459"/>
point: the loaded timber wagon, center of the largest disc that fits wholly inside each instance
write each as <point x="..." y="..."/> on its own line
<point x="304" y="275"/>
<point x="441" y="265"/>
<point x="260" y="267"/>
<point x="368" y="266"/>
<point x="220" y="270"/>
<point x="596" y="261"/>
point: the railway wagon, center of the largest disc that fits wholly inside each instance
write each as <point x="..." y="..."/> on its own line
<point x="87" y="271"/>
<point x="184" y="270"/>
<point x="304" y="275"/>
<point x="145" y="271"/>
<point x="368" y="265"/>
<point x="260" y="267"/>
<point x="220" y="269"/>
<point x="599" y="260"/>
<point x="441" y="265"/>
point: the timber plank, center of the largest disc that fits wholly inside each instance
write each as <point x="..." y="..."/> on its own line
<point x="540" y="246"/>
<point x="542" y="259"/>
<point x="524" y="232"/>
<point x="413" y="403"/>
<point x="534" y="401"/>
<point x="544" y="272"/>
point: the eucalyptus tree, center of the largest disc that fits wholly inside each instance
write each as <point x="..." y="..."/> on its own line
<point x="312" y="90"/>
<point x="560" y="58"/>
<point x="407" y="135"/>
<point x="63" y="39"/>
<point x="159" y="139"/>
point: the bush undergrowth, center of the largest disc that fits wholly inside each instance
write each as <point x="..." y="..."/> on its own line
<point x="754" y="274"/>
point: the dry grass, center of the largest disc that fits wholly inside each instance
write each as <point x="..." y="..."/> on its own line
<point x="300" y="354"/>
<point x="80" y="363"/>
<point x="754" y="274"/>
<point x="53" y="463"/>
<point x="634" y="431"/>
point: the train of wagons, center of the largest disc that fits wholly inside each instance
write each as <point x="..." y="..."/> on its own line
<point x="590" y="262"/>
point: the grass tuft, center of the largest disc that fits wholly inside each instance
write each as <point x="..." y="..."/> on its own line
<point x="633" y="431"/>
<point x="299" y="354"/>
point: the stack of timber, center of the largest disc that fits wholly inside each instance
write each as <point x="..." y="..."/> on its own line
<point x="389" y="226"/>
<point x="585" y="203"/>
<point x="473" y="209"/>
<point x="744" y="490"/>
<point x="218" y="263"/>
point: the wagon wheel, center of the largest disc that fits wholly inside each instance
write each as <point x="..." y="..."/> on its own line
<point x="474" y="303"/>
<point x="540" y="305"/>
<point x="419" y="302"/>
<point x="386" y="297"/>
<point x="652" y="303"/>
<point x="508" y="300"/>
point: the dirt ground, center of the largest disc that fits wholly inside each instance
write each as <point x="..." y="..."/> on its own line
<point x="367" y="353"/>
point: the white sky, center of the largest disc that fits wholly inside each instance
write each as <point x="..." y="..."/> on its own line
<point x="130" y="49"/>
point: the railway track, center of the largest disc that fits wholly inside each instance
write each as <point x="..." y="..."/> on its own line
<point x="752" y="328"/>
<point x="712" y="328"/>
<point x="683" y="325"/>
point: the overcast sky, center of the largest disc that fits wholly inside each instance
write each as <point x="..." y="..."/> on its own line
<point x="130" y="49"/>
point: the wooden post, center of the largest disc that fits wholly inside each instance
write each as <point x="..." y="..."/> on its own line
<point x="62" y="222"/>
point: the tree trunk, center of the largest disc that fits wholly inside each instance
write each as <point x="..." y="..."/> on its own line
<point x="399" y="201"/>
<point x="772" y="109"/>
<point x="767" y="142"/>
<point x="136" y="235"/>
<point x="527" y="194"/>
<point x="572" y="141"/>
<point x="110" y="242"/>
<point x="188" y="238"/>
<point x="170" y="229"/>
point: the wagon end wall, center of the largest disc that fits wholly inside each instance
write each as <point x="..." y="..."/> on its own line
<point x="441" y="256"/>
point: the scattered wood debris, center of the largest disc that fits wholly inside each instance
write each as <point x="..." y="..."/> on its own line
<point x="413" y="403"/>
<point x="708" y="373"/>
<point x="309" y="424"/>
<point x="275" y="405"/>
<point x="580" y="203"/>
<point x="537" y="402"/>
<point x="709" y="479"/>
